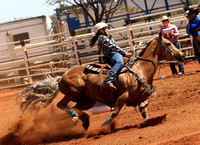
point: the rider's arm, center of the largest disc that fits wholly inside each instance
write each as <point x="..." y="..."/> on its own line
<point x="109" y="45"/>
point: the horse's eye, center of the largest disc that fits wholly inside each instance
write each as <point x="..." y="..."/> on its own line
<point x="168" y="44"/>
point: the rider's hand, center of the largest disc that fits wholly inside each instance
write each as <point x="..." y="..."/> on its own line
<point x="129" y="55"/>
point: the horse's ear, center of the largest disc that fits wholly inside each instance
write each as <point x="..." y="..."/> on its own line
<point x="160" y="35"/>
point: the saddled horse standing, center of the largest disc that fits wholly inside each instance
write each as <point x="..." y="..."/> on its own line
<point x="83" y="87"/>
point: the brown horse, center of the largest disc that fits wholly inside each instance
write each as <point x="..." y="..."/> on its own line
<point x="82" y="87"/>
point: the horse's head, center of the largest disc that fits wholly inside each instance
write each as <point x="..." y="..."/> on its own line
<point x="168" y="50"/>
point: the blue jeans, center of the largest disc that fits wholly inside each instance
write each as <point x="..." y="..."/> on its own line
<point x="172" y="65"/>
<point x="114" y="59"/>
<point x="196" y="48"/>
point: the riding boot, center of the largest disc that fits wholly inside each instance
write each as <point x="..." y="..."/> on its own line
<point x="110" y="82"/>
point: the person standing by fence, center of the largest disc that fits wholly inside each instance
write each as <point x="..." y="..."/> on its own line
<point x="170" y="32"/>
<point x="193" y="29"/>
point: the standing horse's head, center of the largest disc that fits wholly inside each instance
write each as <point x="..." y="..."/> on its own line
<point x="169" y="51"/>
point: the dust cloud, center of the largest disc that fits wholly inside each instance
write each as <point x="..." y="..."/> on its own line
<point x="43" y="125"/>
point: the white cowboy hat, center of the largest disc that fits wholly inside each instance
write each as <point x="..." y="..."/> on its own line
<point x="165" y="18"/>
<point x="99" y="26"/>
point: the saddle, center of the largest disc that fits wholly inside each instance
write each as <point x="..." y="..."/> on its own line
<point x="98" y="68"/>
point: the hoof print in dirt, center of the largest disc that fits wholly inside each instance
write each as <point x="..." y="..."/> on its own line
<point x="153" y="121"/>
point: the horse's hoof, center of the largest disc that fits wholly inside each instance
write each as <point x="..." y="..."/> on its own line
<point x="85" y="125"/>
<point x="107" y="121"/>
<point x="75" y="120"/>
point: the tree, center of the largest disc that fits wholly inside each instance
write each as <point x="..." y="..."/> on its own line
<point x="97" y="10"/>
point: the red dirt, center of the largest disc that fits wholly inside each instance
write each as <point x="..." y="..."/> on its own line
<point x="174" y="118"/>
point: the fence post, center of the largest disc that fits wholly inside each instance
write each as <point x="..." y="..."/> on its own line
<point x="75" y="48"/>
<point x="26" y="61"/>
<point x="129" y="33"/>
<point x="9" y="38"/>
<point x="63" y="46"/>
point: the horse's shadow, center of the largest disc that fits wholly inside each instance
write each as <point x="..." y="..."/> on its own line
<point x="111" y="128"/>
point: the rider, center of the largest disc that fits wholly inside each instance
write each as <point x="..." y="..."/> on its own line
<point x="113" y="53"/>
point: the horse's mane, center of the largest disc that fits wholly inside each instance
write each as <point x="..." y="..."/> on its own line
<point x="141" y="46"/>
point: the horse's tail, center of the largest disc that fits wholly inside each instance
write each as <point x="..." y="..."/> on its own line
<point x="42" y="92"/>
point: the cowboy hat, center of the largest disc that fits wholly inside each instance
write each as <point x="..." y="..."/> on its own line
<point x="99" y="26"/>
<point x="165" y="18"/>
<point x="191" y="11"/>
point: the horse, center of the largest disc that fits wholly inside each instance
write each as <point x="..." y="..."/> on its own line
<point x="83" y="87"/>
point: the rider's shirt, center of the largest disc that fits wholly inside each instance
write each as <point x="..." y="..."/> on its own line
<point x="107" y="45"/>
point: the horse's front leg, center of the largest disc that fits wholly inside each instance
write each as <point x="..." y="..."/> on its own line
<point x="144" y="109"/>
<point x="118" y="106"/>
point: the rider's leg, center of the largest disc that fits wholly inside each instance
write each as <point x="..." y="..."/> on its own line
<point x="115" y="59"/>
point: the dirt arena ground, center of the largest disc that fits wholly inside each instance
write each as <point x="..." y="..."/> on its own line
<point x="175" y="112"/>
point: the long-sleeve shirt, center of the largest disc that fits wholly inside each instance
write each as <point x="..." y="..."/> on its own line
<point x="174" y="30"/>
<point x="194" y="26"/>
<point x="107" y="45"/>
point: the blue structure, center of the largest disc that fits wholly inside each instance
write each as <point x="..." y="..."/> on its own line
<point x="73" y="22"/>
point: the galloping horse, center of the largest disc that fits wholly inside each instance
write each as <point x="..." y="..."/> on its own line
<point x="83" y="87"/>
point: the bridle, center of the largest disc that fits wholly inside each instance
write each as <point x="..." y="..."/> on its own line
<point x="163" y="61"/>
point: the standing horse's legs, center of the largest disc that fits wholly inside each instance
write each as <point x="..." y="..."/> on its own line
<point x="118" y="106"/>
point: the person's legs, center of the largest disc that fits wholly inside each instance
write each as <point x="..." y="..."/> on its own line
<point x="173" y="69"/>
<point x="196" y="48"/>
<point x="115" y="59"/>
<point x="181" y="68"/>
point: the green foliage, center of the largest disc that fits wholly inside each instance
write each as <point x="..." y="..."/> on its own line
<point x="124" y="9"/>
<point x="82" y="32"/>
<point x="194" y="2"/>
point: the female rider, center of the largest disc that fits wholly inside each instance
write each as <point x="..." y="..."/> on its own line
<point x="113" y="53"/>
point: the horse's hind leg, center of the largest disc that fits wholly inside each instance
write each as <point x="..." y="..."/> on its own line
<point x="63" y="105"/>
<point x="83" y="103"/>
<point x="118" y="106"/>
<point x="84" y="117"/>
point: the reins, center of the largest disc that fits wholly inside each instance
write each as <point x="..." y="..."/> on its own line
<point x="163" y="61"/>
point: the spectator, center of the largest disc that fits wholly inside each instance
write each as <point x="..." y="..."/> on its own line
<point x="170" y="32"/>
<point x="198" y="8"/>
<point x="193" y="29"/>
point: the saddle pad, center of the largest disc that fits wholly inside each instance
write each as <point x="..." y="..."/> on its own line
<point x="95" y="68"/>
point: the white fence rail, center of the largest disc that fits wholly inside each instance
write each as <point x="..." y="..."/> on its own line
<point x="29" y="63"/>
